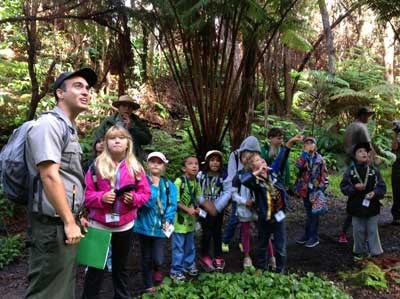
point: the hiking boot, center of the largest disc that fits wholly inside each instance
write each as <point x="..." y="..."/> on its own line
<point x="158" y="277"/>
<point x="247" y="263"/>
<point x="207" y="264"/>
<point x="343" y="238"/>
<point x="225" y="247"/>
<point x="192" y="272"/>
<point x="312" y="243"/>
<point x="219" y="264"/>
<point x="177" y="277"/>
<point x="302" y="240"/>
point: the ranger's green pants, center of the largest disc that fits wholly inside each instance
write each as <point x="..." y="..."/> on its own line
<point x="52" y="263"/>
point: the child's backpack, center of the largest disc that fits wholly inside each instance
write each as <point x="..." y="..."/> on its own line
<point x="14" y="174"/>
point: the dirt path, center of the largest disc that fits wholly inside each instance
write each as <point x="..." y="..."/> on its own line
<point x="326" y="260"/>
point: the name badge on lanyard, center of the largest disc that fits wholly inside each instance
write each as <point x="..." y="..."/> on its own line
<point x="112" y="217"/>
<point x="280" y="216"/>
<point x="366" y="202"/>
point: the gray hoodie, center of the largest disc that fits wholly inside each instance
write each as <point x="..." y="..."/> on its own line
<point x="250" y="144"/>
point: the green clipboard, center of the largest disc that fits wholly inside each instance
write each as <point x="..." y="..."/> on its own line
<point x="93" y="248"/>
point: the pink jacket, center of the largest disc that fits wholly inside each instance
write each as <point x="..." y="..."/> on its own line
<point x="127" y="213"/>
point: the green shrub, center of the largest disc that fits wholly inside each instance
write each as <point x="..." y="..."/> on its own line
<point x="175" y="149"/>
<point x="251" y="284"/>
<point x="10" y="248"/>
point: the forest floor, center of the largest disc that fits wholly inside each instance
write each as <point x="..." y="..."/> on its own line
<point x="326" y="260"/>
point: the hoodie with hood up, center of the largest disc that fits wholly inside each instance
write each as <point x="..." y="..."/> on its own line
<point x="240" y="195"/>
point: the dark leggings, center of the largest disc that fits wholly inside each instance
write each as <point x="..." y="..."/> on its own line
<point x="212" y="229"/>
<point x="121" y="243"/>
<point x="347" y="223"/>
<point x="396" y="190"/>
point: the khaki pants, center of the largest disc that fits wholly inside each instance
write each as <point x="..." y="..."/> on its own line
<point x="52" y="263"/>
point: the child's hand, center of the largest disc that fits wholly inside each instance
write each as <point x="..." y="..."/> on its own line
<point x="166" y="225"/>
<point x="249" y="203"/>
<point x="192" y="211"/>
<point x="128" y="198"/>
<point x="108" y="197"/>
<point x="370" y="195"/>
<point x="263" y="170"/>
<point x="359" y="187"/>
<point x="293" y="140"/>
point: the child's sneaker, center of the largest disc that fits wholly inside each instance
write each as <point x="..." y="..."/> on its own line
<point x="151" y="290"/>
<point x="343" y="238"/>
<point x="177" y="277"/>
<point x="158" y="277"/>
<point x="225" y="247"/>
<point x="247" y="263"/>
<point x="219" y="264"/>
<point x="302" y="240"/>
<point x="193" y="272"/>
<point x="207" y="264"/>
<point x="272" y="263"/>
<point x="311" y="243"/>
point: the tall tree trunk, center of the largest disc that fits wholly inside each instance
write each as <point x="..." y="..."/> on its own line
<point x="246" y="96"/>
<point x="287" y="80"/>
<point x="389" y="40"/>
<point x="143" y="56"/>
<point x="30" y="9"/>
<point x="328" y="35"/>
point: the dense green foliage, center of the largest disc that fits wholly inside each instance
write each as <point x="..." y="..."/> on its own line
<point x="252" y="284"/>
<point x="10" y="248"/>
<point x="369" y="276"/>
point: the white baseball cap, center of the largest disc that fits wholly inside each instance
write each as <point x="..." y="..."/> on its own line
<point x="213" y="152"/>
<point x="158" y="155"/>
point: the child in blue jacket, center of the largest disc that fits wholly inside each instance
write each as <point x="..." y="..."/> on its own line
<point x="155" y="217"/>
<point x="271" y="201"/>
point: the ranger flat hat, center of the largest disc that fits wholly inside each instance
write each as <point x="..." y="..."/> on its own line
<point x="125" y="99"/>
<point x="365" y="110"/>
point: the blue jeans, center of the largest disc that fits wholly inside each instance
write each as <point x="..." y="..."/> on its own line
<point x="278" y="229"/>
<point x="152" y="249"/>
<point x="233" y="222"/>
<point x="183" y="252"/>
<point x="312" y="222"/>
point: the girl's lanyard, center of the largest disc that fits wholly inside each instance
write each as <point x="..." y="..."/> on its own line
<point x="192" y="194"/>
<point x="359" y="177"/>
<point x="116" y="184"/>
<point x="211" y="187"/>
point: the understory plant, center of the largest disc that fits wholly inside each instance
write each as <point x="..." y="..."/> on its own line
<point x="10" y="248"/>
<point x="251" y="284"/>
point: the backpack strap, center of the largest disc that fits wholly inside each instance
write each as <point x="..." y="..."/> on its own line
<point x="182" y="188"/>
<point x="93" y="172"/>
<point x="167" y="191"/>
<point x="236" y="154"/>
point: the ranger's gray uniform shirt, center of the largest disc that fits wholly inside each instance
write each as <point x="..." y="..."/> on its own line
<point x="45" y="142"/>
